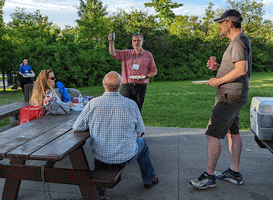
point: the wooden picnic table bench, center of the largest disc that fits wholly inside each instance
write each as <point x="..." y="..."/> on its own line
<point x="11" y="109"/>
<point x="263" y="143"/>
<point x="50" y="138"/>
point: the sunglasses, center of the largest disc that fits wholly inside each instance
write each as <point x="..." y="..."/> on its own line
<point x="53" y="78"/>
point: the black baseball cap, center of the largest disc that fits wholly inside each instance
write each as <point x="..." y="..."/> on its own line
<point x="230" y="15"/>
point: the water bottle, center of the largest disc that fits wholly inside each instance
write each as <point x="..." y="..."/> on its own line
<point x="85" y="100"/>
<point x="80" y="100"/>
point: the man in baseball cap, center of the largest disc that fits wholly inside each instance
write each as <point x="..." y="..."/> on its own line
<point x="230" y="15"/>
<point x="232" y="80"/>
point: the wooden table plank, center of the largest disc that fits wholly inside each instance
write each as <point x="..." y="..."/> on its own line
<point x="54" y="175"/>
<point x="19" y="135"/>
<point x="49" y="138"/>
<point x="11" y="109"/>
<point x="106" y="178"/>
<point x="25" y="150"/>
<point x="61" y="147"/>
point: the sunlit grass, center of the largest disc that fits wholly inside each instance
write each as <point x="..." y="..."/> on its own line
<point x="10" y="96"/>
<point x="177" y="104"/>
<point x="188" y="105"/>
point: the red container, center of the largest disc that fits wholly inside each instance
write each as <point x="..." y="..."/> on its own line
<point x="212" y="60"/>
<point x="90" y="97"/>
<point x="29" y="113"/>
<point x="75" y="100"/>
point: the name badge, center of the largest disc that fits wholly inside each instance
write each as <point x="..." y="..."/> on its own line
<point x="136" y="67"/>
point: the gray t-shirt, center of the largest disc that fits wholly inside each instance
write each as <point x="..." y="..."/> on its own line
<point x="239" y="49"/>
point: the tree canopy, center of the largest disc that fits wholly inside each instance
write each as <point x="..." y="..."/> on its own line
<point x="164" y="9"/>
<point x="79" y="56"/>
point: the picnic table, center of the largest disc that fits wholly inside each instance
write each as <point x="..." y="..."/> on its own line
<point x="12" y="109"/>
<point x="50" y="138"/>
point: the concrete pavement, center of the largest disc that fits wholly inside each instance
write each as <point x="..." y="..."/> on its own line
<point x="178" y="155"/>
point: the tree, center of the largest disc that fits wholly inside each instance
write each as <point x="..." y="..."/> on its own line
<point x="127" y="24"/>
<point x="259" y="32"/>
<point x="1" y="20"/>
<point x="31" y="25"/>
<point x="30" y="36"/>
<point x="185" y="26"/>
<point x="208" y="23"/>
<point x="164" y="9"/>
<point x="2" y="3"/>
<point x="1" y="41"/>
<point x="93" y="24"/>
<point x="251" y="10"/>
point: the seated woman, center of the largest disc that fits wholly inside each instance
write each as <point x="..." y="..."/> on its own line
<point x="43" y="92"/>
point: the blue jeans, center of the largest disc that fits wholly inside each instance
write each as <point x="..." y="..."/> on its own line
<point x="143" y="159"/>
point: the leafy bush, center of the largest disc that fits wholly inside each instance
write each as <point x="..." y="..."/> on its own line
<point x="80" y="57"/>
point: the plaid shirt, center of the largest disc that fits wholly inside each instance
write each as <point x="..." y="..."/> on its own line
<point x="144" y="59"/>
<point x="114" y="122"/>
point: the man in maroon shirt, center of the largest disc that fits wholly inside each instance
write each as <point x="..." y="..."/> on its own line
<point x="138" y="66"/>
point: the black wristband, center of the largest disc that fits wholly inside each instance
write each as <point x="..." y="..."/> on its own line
<point x="146" y="76"/>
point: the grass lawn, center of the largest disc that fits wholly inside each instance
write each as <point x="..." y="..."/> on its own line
<point x="178" y="104"/>
<point x="188" y="105"/>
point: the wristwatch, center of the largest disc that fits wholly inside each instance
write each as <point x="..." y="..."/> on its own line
<point x="146" y="76"/>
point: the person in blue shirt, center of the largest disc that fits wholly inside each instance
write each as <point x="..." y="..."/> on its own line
<point x="25" y="68"/>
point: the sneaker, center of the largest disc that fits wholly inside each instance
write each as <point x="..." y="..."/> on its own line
<point x="105" y="198"/>
<point x="154" y="182"/>
<point x="229" y="176"/>
<point x="204" y="181"/>
<point x="101" y="191"/>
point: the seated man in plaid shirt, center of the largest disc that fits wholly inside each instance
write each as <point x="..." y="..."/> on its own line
<point x="115" y="124"/>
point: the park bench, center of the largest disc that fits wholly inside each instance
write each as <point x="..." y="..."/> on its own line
<point x="50" y="139"/>
<point x="11" y="110"/>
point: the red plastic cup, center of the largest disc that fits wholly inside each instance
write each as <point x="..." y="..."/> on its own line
<point x="212" y="60"/>
<point x="89" y="98"/>
<point x="75" y="100"/>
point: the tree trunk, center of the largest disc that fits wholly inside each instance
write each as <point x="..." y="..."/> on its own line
<point x="3" y="75"/>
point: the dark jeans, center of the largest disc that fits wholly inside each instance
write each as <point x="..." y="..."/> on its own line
<point x="135" y="92"/>
<point x="142" y="157"/>
<point x="25" y="81"/>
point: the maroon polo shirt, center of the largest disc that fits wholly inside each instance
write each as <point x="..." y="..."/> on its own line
<point x="129" y="58"/>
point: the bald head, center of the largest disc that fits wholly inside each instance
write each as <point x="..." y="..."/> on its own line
<point x="112" y="82"/>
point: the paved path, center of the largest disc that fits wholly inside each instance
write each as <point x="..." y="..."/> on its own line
<point x="178" y="155"/>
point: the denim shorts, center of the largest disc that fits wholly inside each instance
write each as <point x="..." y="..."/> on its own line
<point x="225" y="114"/>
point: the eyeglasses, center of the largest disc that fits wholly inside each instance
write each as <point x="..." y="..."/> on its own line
<point x="52" y="78"/>
<point x="136" y="40"/>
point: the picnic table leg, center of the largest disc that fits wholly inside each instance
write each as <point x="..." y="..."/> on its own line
<point x="12" y="184"/>
<point x="49" y="164"/>
<point x="79" y="161"/>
